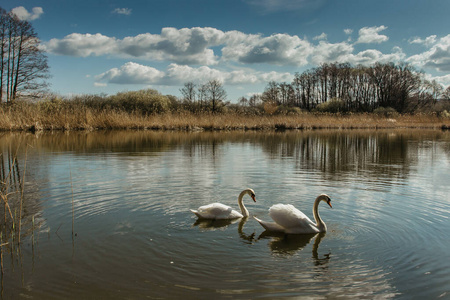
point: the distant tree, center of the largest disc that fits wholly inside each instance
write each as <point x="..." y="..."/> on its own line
<point x="23" y="65"/>
<point x="201" y="94"/>
<point x="188" y="92"/>
<point x="215" y="93"/>
<point x="243" y="101"/>
<point x="446" y="94"/>
<point x="254" y="100"/>
<point x="272" y="93"/>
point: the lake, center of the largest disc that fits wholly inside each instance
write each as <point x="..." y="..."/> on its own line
<point x="128" y="195"/>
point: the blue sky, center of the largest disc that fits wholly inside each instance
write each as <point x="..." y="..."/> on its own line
<point x="110" y="46"/>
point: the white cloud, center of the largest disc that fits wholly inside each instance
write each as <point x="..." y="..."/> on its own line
<point x="23" y="14"/>
<point x="427" y="41"/>
<point x="122" y="11"/>
<point x="370" y="35"/>
<point x="320" y="37"/>
<point x="371" y="56"/>
<point x="327" y="52"/>
<point x="348" y="31"/>
<point x="133" y="73"/>
<point x="197" y="46"/>
<point x="443" y="80"/>
<point x="277" y="49"/>
<point x="189" y="46"/>
<point x="437" y="57"/>
<point x="185" y="46"/>
<point x="83" y="45"/>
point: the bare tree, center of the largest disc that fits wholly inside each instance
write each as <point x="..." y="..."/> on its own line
<point x="272" y="93"/>
<point x="23" y="66"/>
<point x="243" y="101"/>
<point x="189" y="92"/>
<point x="215" y="93"/>
<point x="254" y="100"/>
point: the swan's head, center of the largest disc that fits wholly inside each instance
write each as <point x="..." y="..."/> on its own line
<point x="252" y="194"/>
<point x="326" y="198"/>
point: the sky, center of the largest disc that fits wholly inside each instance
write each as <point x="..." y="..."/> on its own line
<point x="105" y="47"/>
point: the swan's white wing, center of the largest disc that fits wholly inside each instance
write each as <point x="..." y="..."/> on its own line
<point x="287" y="216"/>
<point x="217" y="211"/>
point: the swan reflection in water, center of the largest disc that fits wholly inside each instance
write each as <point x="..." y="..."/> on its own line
<point x="214" y="224"/>
<point x="289" y="244"/>
<point x="210" y="224"/>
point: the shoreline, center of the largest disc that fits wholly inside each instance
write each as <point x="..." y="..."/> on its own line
<point x="116" y="120"/>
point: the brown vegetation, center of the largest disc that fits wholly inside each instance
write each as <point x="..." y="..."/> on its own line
<point x="61" y="116"/>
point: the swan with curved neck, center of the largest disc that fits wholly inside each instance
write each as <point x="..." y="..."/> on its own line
<point x="288" y="219"/>
<point x="221" y="211"/>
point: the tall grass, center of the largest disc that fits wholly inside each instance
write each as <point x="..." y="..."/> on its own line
<point x="150" y="110"/>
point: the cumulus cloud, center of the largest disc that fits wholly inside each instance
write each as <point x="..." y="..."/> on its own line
<point x="277" y="49"/>
<point x="23" y="14"/>
<point x="122" y="11"/>
<point x="133" y="73"/>
<point x="83" y="45"/>
<point x="185" y="46"/>
<point x="437" y="57"/>
<point x="189" y="46"/>
<point x="320" y="37"/>
<point x="371" y="35"/>
<point x="371" y="56"/>
<point x="212" y="47"/>
<point x="427" y="41"/>
<point x="443" y="80"/>
<point x="326" y="52"/>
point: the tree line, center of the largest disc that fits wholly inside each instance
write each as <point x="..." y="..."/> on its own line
<point x="348" y="88"/>
<point x="23" y="65"/>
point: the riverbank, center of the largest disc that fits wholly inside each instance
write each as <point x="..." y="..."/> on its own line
<point x="91" y="120"/>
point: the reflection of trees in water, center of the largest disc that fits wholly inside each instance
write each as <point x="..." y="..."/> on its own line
<point x="373" y="154"/>
<point x="376" y="153"/>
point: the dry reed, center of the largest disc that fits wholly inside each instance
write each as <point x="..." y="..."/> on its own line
<point x="32" y="118"/>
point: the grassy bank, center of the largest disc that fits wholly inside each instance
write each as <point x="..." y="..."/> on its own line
<point x="37" y="117"/>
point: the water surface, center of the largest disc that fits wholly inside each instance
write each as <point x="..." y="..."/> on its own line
<point x="134" y="236"/>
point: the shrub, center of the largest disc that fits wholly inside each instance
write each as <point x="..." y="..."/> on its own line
<point x="270" y="107"/>
<point x="445" y="114"/>
<point x="385" y="112"/>
<point x="145" y="101"/>
<point x="52" y="105"/>
<point x="334" y="105"/>
<point x="289" y="110"/>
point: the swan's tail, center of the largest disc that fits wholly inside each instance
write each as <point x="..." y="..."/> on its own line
<point x="269" y="226"/>
<point x="196" y="213"/>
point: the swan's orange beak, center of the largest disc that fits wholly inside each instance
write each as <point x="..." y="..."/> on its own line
<point x="329" y="203"/>
<point x="253" y="197"/>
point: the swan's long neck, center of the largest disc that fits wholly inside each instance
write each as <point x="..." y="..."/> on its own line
<point x="319" y="223"/>
<point x="244" y="210"/>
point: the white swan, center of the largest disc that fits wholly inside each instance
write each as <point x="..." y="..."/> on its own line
<point x="288" y="219"/>
<point x="221" y="211"/>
